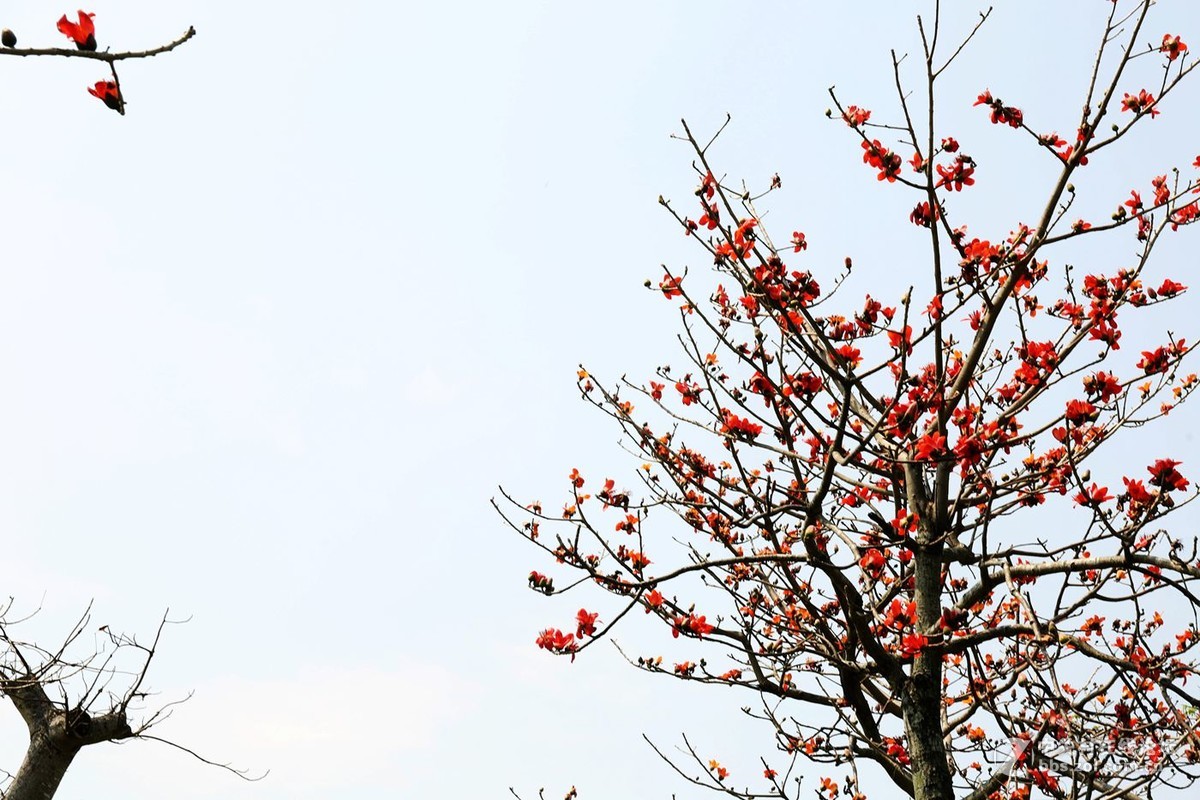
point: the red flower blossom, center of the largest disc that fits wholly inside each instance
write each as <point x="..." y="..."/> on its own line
<point x="556" y="641"/>
<point x="950" y="144"/>
<point x="872" y="562"/>
<point x="798" y="242"/>
<point x="1140" y="103"/>
<point x="739" y="426"/>
<point x="108" y="92"/>
<point x="540" y="583"/>
<point x="1103" y="385"/>
<point x="690" y="392"/>
<point x="1184" y="215"/>
<point x="1000" y="112"/>
<point x="955" y="177"/>
<point x="587" y="623"/>
<point x="1153" y="361"/>
<point x="850" y="354"/>
<point x="654" y="599"/>
<point x="668" y="285"/>
<point x="901" y="341"/>
<point x="901" y="615"/>
<point x="1093" y="496"/>
<point x="697" y="626"/>
<point x="1080" y="411"/>
<point x="911" y="645"/>
<point x="1164" y="475"/>
<point x="882" y="159"/>
<point x="929" y="446"/>
<point x="1170" y="288"/>
<point x="855" y="116"/>
<point x="1139" y="497"/>
<point x="922" y="215"/>
<point x="1172" y="47"/>
<point x="83" y="33"/>
<point x="897" y="751"/>
<point x="1162" y="192"/>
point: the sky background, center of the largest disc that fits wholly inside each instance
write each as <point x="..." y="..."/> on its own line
<point x="270" y="342"/>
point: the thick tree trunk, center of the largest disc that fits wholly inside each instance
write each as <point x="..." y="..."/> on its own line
<point x="41" y="772"/>
<point x="921" y="697"/>
<point x="922" y="703"/>
<point x="56" y="735"/>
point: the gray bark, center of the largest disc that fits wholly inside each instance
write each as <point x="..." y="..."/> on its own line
<point x="56" y="735"/>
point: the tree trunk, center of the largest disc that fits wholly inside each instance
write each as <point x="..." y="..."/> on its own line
<point x="45" y="763"/>
<point x="922" y="703"/>
<point x="921" y="698"/>
<point x="56" y="735"/>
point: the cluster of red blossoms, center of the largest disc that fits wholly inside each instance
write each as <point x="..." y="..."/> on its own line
<point x="83" y="34"/>
<point x="1001" y="114"/>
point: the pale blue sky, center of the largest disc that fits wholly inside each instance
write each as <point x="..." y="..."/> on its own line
<point x="270" y="341"/>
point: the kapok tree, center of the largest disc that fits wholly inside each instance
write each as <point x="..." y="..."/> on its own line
<point x="840" y="498"/>
<point x="70" y="699"/>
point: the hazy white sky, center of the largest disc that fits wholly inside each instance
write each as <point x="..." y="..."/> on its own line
<point x="270" y="342"/>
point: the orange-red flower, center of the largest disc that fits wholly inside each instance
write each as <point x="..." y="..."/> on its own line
<point x="855" y="116"/>
<point x="1139" y="103"/>
<point x="654" y="599"/>
<point x="556" y="641"/>
<point x="901" y="615"/>
<point x="739" y="426"/>
<point x="83" y="33"/>
<point x="1080" y="411"/>
<point x="587" y="623"/>
<point x="108" y="92"/>
<point x="1093" y="496"/>
<point x="1164" y="474"/>
<point x="1172" y="47"/>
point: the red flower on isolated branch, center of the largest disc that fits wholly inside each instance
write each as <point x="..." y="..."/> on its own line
<point x="108" y="92"/>
<point x="1172" y="47"/>
<point x="83" y="33"/>
<point x="855" y="116"/>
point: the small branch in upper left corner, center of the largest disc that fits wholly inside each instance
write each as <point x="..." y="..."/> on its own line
<point x="83" y="34"/>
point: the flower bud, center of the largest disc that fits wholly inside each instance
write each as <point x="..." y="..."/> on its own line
<point x="8" y="38"/>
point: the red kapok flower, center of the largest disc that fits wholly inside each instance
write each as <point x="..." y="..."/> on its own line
<point x="1139" y="103"/>
<point x="1164" y="474"/>
<point x="108" y="92"/>
<point x="82" y="34"/>
<point x="1172" y="47"/>
<point x="587" y="623"/>
<point x="855" y="116"/>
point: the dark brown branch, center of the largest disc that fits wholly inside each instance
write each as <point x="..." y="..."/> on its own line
<point x="98" y="56"/>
